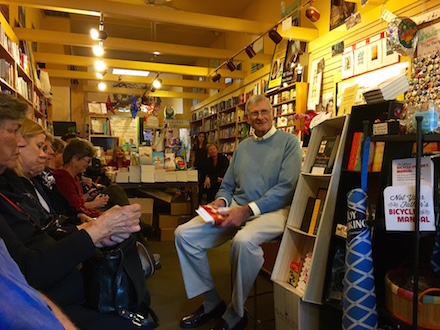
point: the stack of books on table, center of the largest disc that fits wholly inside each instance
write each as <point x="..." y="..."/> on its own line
<point x="390" y="89"/>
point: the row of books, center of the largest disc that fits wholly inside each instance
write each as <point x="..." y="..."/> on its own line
<point x="299" y="272"/>
<point x="375" y="156"/>
<point x="313" y="212"/>
<point x="226" y="133"/>
<point x="284" y="109"/>
<point x="6" y="71"/>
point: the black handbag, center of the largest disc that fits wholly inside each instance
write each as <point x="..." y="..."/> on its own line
<point x="115" y="282"/>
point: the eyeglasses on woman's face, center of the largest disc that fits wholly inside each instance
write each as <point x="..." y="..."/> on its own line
<point x="88" y="160"/>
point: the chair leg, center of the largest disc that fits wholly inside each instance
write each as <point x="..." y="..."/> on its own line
<point x="255" y="305"/>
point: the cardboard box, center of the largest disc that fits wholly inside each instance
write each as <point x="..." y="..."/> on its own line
<point x="167" y="234"/>
<point x="171" y="176"/>
<point x="122" y="177"/>
<point x="182" y="176"/>
<point x="134" y="173"/>
<point x="172" y="221"/>
<point x="181" y="208"/>
<point x="146" y="208"/>
<point x="147" y="177"/>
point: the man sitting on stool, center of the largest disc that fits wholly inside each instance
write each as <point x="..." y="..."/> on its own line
<point x="257" y="187"/>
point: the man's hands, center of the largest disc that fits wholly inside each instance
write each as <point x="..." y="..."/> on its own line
<point x="114" y="225"/>
<point x="234" y="217"/>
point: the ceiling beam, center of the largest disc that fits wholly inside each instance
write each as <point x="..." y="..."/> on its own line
<point x="131" y="45"/>
<point x="149" y="13"/>
<point x="157" y="93"/>
<point x="83" y="75"/>
<point x="85" y="61"/>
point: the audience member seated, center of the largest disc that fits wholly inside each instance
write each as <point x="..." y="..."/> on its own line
<point x="215" y="171"/>
<point x="76" y="158"/>
<point x="49" y="265"/>
<point x="119" y="159"/>
<point x="56" y="161"/>
<point x="36" y="311"/>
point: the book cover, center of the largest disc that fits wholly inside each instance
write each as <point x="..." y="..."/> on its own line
<point x="358" y="161"/>
<point x="308" y="214"/>
<point x="322" y="193"/>
<point x="371" y="156"/>
<point x="210" y="215"/>
<point x="318" y="217"/>
<point x="314" y="216"/>
<point x="378" y="156"/>
<point x="353" y="150"/>
<point x="326" y="154"/>
<point x="404" y="172"/>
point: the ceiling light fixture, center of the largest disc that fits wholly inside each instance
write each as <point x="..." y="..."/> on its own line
<point x="128" y="72"/>
<point x="157" y="83"/>
<point x="102" y="86"/>
<point x="101" y="75"/>
<point x="156" y="53"/>
<point x="100" y="65"/>
<point x="216" y="77"/>
<point x="250" y="51"/>
<point x="98" y="50"/>
<point x="231" y="66"/>
<point x="312" y="13"/>
<point x="99" y="34"/>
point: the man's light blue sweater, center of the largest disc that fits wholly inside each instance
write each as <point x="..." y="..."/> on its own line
<point x="264" y="172"/>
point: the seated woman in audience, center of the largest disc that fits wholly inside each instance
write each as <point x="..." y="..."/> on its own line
<point x="49" y="265"/>
<point x="215" y="171"/>
<point x="77" y="157"/>
<point x="119" y="159"/>
<point x="56" y="160"/>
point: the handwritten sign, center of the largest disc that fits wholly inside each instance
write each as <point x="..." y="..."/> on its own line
<point x="429" y="41"/>
<point x="400" y="213"/>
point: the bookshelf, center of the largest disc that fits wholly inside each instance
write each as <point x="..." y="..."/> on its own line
<point x="390" y="249"/>
<point x="297" y="308"/>
<point x="16" y="81"/>
<point x="286" y="102"/>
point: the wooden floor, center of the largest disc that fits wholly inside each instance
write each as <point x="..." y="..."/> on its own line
<point x="168" y="298"/>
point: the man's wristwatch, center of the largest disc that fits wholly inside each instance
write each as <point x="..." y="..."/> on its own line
<point x="251" y="213"/>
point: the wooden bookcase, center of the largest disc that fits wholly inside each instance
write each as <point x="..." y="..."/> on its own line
<point x="296" y="309"/>
<point x="286" y="102"/>
<point x="14" y="80"/>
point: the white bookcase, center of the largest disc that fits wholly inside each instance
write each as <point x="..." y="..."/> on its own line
<point x="294" y="308"/>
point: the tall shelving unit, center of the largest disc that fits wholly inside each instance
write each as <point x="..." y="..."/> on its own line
<point x="296" y="309"/>
<point x="15" y="81"/>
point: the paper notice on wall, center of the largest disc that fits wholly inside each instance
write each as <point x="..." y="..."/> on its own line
<point x="399" y="206"/>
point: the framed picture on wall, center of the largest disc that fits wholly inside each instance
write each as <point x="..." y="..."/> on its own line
<point x="347" y="70"/>
<point x="374" y="55"/>
<point x="339" y="14"/>
<point x="360" y="60"/>
<point x="388" y="55"/>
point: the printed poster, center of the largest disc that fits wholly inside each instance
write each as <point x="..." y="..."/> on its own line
<point x="276" y="70"/>
<point x="126" y="128"/>
<point x="429" y="41"/>
<point x="314" y="95"/>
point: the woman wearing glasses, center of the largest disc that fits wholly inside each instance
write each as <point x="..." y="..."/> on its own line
<point x="77" y="157"/>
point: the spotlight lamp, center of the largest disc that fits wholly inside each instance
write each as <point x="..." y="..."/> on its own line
<point x="100" y="66"/>
<point x="216" y="77"/>
<point x="98" y="50"/>
<point x="231" y="65"/>
<point x="102" y="86"/>
<point x="312" y="13"/>
<point x="250" y="51"/>
<point x="152" y="89"/>
<point x="101" y="75"/>
<point x="275" y="36"/>
<point x="157" y="83"/>
<point x="98" y="34"/>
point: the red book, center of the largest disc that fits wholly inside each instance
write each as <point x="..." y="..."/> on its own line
<point x="354" y="149"/>
<point x="210" y="214"/>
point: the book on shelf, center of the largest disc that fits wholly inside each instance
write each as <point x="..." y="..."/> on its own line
<point x="326" y="155"/>
<point x="315" y="213"/>
<point x="308" y="214"/>
<point x="378" y="156"/>
<point x="404" y="172"/>
<point x="210" y="214"/>
<point x="390" y="89"/>
<point x="356" y="144"/>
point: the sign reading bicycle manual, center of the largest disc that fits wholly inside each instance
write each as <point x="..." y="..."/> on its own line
<point x="399" y="202"/>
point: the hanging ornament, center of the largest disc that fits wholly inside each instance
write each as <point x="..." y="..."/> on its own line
<point x="134" y="108"/>
<point x="110" y="105"/>
<point x="402" y="36"/>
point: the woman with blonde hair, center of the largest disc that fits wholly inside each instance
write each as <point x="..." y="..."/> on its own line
<point x="119" y="159"/>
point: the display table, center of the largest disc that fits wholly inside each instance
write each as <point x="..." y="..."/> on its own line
<point x="194" y="186"/>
